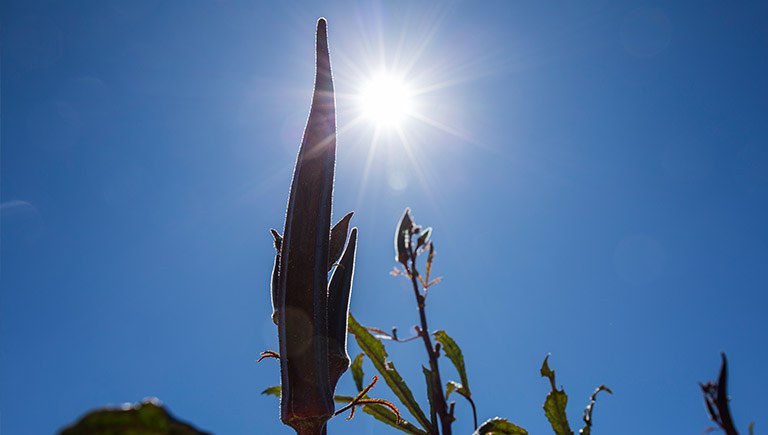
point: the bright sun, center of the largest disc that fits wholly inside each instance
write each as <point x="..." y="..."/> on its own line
<point x="386" y="100"/>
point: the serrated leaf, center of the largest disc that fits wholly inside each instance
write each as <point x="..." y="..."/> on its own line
<point x="376" y="352"/>
<point x="499" y="426"/>
<point x="555" y="403"/>
<point x="143" y="418"/>
<point x="276" y="391"/>
<point x="554" y="408"/>
<point x="403" y="238"/>
<point x="357" y="371"/>
<point x="453" y="352"/>
<point x="546" y="372"/>
<point x="384" y="415"/>
<point x="587" y="429"/>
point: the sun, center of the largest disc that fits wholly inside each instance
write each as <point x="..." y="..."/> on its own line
<point x="386" y="100"/>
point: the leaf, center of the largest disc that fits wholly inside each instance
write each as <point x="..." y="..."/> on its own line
<point x="453" y="352"/>
<point x="423" y="238"/>
<point x="385" y="415"/>
<point x="357" y="371"/>
<point x="276" y="391"/>
<point x="431" y="387"/>
<point x="716" y="400"/>
<point x="722" y="398"/>
<point x="555" y="403"/>
<point x="499" y="426"/>
<point x="751" y="428"/>
<point x="379" y="412"/>
<point x="376" y="352"/>
<point x="430" y="258"/>
<point x="146" y="417"/>
<point x="403" y="238"/>
<point x="587" y="429"/>
<point x="452" y="386"/>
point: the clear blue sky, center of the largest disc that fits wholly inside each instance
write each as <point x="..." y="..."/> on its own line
<point x="596" y="174"/>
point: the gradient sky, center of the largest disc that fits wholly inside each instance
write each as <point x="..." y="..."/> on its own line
<point x="596" y="173"/>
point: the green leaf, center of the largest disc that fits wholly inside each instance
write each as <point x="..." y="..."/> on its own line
<point x="453" y="352"/>
<point x="379" y="412"/>
<point x="452" y="386"/>
<point x="555" y="403"/>
<point x="751" y="428"/>
<point x="546" y="372"/>
<point x="587" y="429"/>
<point x="146" y="417"/>
<point x="554" y="408"/>
<point x="276" y="391"/>
<point x="431" y="387"/>
<point x="357" y="371"/>
<point x="403" y="238"/>
<point x="499" y="426"/>
<point x="374" y="349"/>
<point x="385" y="415"/>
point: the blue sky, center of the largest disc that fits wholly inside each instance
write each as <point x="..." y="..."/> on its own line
<point x="596" y="174"/>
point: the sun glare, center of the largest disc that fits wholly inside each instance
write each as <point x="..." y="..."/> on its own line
<point x="386" y="100"/>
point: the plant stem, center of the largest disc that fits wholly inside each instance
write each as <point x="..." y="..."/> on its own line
<point x="474" y="410"/>
<point x="312" y="429"/>
<point x="439" y="398"/>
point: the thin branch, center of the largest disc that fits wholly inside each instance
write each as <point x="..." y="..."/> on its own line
<point x="441" y="406"/>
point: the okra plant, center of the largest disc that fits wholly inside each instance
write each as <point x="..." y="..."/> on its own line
<point x="312" y="317"/>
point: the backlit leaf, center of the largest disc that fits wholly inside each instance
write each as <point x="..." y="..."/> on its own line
<point x="555" y="403"/>
<point x="357" y="371"/>
<point x="376" y="352"/>
<point x="403" y="238"/>
<point x="431" y="387"/>
<point x="423" y="238"/>
<point x="385" y="415"/>
<point x="147" y="417"/>
<point x="499" y="426"/>
<point x="453" y="352"/>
